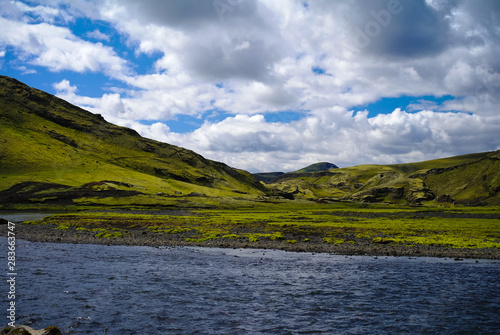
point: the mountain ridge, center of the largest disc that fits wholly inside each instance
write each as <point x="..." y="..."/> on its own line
<point x="472" y="179"/>
<point x="269" y="177"/>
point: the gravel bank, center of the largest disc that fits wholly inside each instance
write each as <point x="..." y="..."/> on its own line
<point x="143" y="237"/>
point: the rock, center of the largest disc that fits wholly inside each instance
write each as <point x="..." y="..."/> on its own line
<point x="25" y="330"/>
<point x="444" y="198"/>
<point x="3" y="221"/>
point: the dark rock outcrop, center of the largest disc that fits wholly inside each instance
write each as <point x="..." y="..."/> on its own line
<point x="444" y="198"/>
<point x="25" y="330"/>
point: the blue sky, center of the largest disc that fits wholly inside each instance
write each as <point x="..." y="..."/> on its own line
<point x="272" y="86"/>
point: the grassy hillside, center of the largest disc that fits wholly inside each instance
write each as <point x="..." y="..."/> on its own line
<point x="322" y="166"/>
<point x="52" y="151"/>
<point x="469" y="179"/>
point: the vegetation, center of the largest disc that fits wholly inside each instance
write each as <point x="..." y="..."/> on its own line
<point x="294" y="222"/>
<point x="55" y="156"/>
<point x="469" y="180"/>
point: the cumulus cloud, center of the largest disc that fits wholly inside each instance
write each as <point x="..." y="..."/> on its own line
<point x="96" y="34"/>
<point x="64" y="87"/>
<point x="264" y="52"/>
<point x="58" y="49"/>
<point x="339" y="136"/>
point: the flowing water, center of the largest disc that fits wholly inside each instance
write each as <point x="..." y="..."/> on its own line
<point x="95" y="289"/>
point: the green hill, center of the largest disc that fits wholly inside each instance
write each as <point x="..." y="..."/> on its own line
<point x="322" y="166"/>
<point x="52" y="152"/>
<point x="468" y="179"/>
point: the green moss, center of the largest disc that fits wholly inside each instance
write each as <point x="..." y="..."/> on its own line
<point x="232" y="236"/>
<point x="456" y="227"/>
<point x="253" y="237"/>
<point x="333" y="240"/>
<point x="277" y="236"/>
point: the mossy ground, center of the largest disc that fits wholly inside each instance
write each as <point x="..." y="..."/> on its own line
<point x="290" y="223"/>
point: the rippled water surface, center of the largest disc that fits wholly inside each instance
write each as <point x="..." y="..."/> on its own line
<point x="92" y="289"/>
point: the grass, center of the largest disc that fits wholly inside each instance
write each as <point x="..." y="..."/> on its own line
<point x="457" y="227"/>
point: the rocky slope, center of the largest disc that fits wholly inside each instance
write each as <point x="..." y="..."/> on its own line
<point x="53" y="151"/>
<point x="469" y="179"/>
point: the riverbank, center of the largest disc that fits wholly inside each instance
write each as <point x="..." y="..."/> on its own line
<point x="147" y="237"/>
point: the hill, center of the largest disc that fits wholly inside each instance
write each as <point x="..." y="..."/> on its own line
<point x="468" y="179"/>
<point x="53" y="152"/>
<point x="322" y="166"/>
<point x="270" y="177"/>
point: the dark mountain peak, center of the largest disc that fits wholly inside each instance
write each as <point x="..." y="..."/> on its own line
<point x="317" y="167"/>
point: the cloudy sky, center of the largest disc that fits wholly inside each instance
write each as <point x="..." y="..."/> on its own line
<point x="272" y="85"/>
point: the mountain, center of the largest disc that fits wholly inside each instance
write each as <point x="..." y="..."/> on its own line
<point x="322" y="166"/>
<point x="472" y="179"/>
<point x="54" y="152"/>
<point x="267" y="177"/>
<point x="270" y="177"/>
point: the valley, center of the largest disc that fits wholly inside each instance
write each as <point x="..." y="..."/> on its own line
<point x="112" y="186"/>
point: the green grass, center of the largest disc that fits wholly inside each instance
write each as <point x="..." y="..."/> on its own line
<point x="457" y="227"/>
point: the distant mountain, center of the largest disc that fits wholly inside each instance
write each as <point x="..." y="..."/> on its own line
<point x="472" y="179"/>
<point x="322" y="166"/>
<point x="54" y="152"/>
<point x="269" y="177"/>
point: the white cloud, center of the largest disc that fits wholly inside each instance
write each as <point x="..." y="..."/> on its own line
<point x="25" y="70"/>
<point x="264" y="52"/>
<point x="58" y="49"/>
<point x="96" y="34"/>
<point x="64" y="87"/>
<point x="43" y="13"/>
<point x="335" y="135"/>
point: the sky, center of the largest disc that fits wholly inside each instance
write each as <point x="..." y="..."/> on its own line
<point x="271" y="85"/>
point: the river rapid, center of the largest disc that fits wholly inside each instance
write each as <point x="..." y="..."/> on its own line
<point x="96" y="289"/>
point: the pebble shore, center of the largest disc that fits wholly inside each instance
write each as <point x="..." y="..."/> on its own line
<point x="142" y="237"/>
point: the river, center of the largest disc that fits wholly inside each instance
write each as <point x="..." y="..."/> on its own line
<point x="95" y="289"/>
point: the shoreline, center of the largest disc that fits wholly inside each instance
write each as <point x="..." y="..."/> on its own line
<point x="48" y="233"/>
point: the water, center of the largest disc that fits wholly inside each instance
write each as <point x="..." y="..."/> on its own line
<point x="93" y="289"/>
<point x="23" y="216"/>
